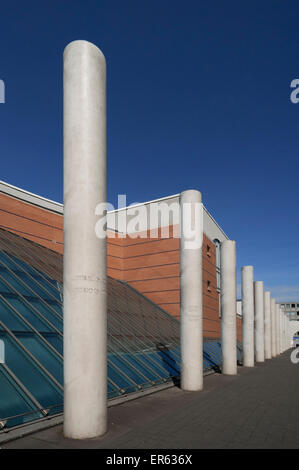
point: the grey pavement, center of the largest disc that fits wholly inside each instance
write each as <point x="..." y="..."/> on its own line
<point x="258" y="408"/>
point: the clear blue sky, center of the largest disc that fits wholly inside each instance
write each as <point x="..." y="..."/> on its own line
<point x="198" y="97"/>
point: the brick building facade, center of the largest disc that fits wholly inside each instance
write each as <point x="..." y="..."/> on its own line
<point x="149" y="264"/>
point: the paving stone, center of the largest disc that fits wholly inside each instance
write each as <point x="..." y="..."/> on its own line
<point x="258" y="408"/>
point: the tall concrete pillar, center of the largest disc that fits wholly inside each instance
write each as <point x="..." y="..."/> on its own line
<point x="248" y="316"/>
<point x="267" y="325"/>
<point x="84" y="274"/>
<point x="259" y="321"/>
<point x="281" y="330"/>
<point x="191" y="296"/>
<point x="277" y="329"/>
<point x="286" y="332"/>
<point x="273" y="328"/>
<point x="228" y="307"/>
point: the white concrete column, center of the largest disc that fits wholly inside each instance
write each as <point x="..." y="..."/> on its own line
<point x="281" y="330"/>
<point x="84" y="275"/>
<point x="259" y="321"/>
<point x="273" y="328"/>
<point x="191" y="292"/>
<point x="285" y="332"/>
<point x="267" y="325"/>
<point x="228" y="307"/>
<point x="247" y="316"/>
<point x="277" y="329"/>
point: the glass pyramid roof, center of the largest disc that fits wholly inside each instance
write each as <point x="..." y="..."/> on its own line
<point x="143" y="340"/>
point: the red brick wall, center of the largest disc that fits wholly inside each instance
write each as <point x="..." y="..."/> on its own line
<point x="151" y="265"/>
<point x="28" y="221"/>
<point x="211" y="320"/>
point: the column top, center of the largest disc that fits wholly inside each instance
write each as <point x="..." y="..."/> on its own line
<point x="83" y="45"/>
<point x="190" y="195"/>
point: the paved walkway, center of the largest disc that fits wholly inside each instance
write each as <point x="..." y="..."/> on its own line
<point x="258" y="408"/>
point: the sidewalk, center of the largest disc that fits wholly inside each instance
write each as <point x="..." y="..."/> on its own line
<point x="258" y="408"/>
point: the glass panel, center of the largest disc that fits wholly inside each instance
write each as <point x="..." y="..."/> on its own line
<point x="13" y="401"/>
<point x="28" y="372"/>
<point x="35" y="302"/>
<point x="40" y="286"/>
<point x="119" y="379"/>
<point x="173" y="355"/>
<point x="55" y="306"/>
<point x="16" y="263"/>
<point x="10" y="319"/>
<point x="30" y="282"/>
<point x="146" y="371"/>
<point x="160" y="370"/>
<point x="18" y="266"/>
<point x="47" y="313"/>
<point x="129" y="371"/>
<point x="8" y="263"/>
<point x="29" y="314"/>
<point x="14" y="282"/>
<point x="212" y="353"/>
<point x="164" y="361"/>
<point x="43" y="354"/>
<point x="55" y="340"/>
